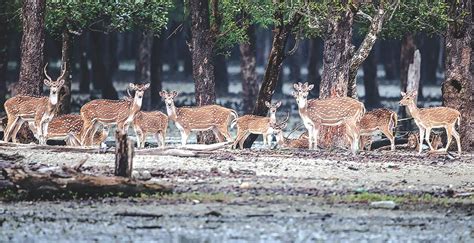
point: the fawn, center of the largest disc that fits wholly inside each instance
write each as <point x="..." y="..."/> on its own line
<point x="154" y="123"/>
<point x="252" y="124"/>
<point x="383" y="120"/>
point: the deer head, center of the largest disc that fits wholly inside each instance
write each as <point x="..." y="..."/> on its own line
<point x="272" y="107"/>
<point x="139" y="91"/>
<point x="408" y="98"/>
<point x="168" y="97"/>
<point x="301" y="93"/>
<point x="54" y="86"/>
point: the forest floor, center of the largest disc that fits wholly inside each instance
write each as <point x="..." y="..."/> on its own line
<point x="259" y="195"/>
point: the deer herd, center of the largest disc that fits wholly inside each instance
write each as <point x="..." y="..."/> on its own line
<point x="91" y="126"/>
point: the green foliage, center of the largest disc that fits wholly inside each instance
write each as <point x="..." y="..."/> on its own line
<point x="412" y="16"/>
<point x="12" y="14"/>
<point x="151" y="15"/>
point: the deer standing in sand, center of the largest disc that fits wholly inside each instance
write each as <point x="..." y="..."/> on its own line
<point x="199" y="118"/>
<point x="252" y="124"/>
<point x="154" y="123"/>
<point x="383" y="120"/>
<point x="434" y="117"/>
<point x="38" y="110"/>
<point x="328" y="112"/>
<point x="109" y="112"/>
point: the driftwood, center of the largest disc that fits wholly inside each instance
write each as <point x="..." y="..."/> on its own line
<point x="67" y="182"/>
<point x="123" y="155"/>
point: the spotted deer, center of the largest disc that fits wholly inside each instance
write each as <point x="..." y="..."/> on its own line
<point x="110" y="112"/>
<point x="38" y="110"/>
<point x="68" y="128"/>
<point x="434" y="117"/>
<point x="378" y="120"/>
<point x="198" y="118"/>
<point x="285" y="142"/>
<point x="328" y="112"/>
<point x="154" y="123"/>
<point x="252" y="124"/>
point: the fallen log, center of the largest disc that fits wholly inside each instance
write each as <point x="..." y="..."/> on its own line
<point x="66" y="182"/>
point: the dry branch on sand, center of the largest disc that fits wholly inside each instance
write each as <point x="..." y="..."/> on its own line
<point x="67" y="182"/>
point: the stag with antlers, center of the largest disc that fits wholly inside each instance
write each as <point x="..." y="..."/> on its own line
<point x="328" y="112"/>
<point x="199" y="118"/>
<point x="434" y="117"/>
<point x="109" y="112"/>
<point x="252" y="124"/>
<point x="37" y="110"/>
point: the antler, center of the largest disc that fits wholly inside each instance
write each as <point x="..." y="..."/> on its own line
<point x="46" y="74"/>
<point x="285" y="120"/>
<point x="63" y="71"/>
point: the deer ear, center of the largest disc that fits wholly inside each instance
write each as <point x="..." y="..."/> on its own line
<point x="403" y="93"/>
<point x="278" y="104"/>
<point x="296" y="86"/>
<point x="162" y="93"/>
<point x="61" y="83"/>
<point x="174" y="93"/>
<point x="267" y="104"/>
<point x="146" y="86"/>
<point x="47" y="82"/>
<point x="132" y="86"/>
<point x="311" y="87"/>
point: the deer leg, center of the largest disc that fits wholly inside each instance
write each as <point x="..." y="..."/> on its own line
<point x="218" y="135"/>
<point x="242" y="140"/>
<point x="422" y="134"/>
<point x="15" y="129"/>
<point x="160" y="139"/>
<point x="10" y="124"/>
<point x="310" y="137"/>
<point x="45" y="131"/>
<point x="184" y="137"/>
<point x="137" y="135"/>
<point x="388" y="133"/>
<point x="224" y="131"/>
<point x="427" y="137"/>
<point x="457" y="137"/>
<point x="95" y="128"/>
<point x="237" y="140"/>
<point x="86" y="129"/>
<point x="269" y="139"/>
<point x="449" y="134"/>
<point x="315" y="137"/>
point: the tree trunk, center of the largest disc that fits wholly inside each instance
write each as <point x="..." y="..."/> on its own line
<point x="64" y="104"/>
<point x="97" y="59"/>
<point x="202" y="46"/>
<point x="314" y="64"/>
<point x="294" y="64"/>
<point x="3" y="55"/>
<point x="31" y="78"/>
<point x="273" y="69"/>
<point x="84" y="85"/>
<point x="337" y="56"/>
<point x="32" y="46"/>
<point x="364" y="50"/>
<point x="123" y="155"/>
<point x="429" y="58"/>
<point x="390" y="57"/>
<point x="407" y="51"/>
<point x="248" y="64"/>
<point x="156" y="71"/>
<point x="143" y="64"/>
<point x="101" y="65"/>
<point x="458" y="84"/>
<point x="111" y="64"/>
<point x="371" y="86"/>
<point x="406" y="57"/>
<point x="221" y="75"/>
